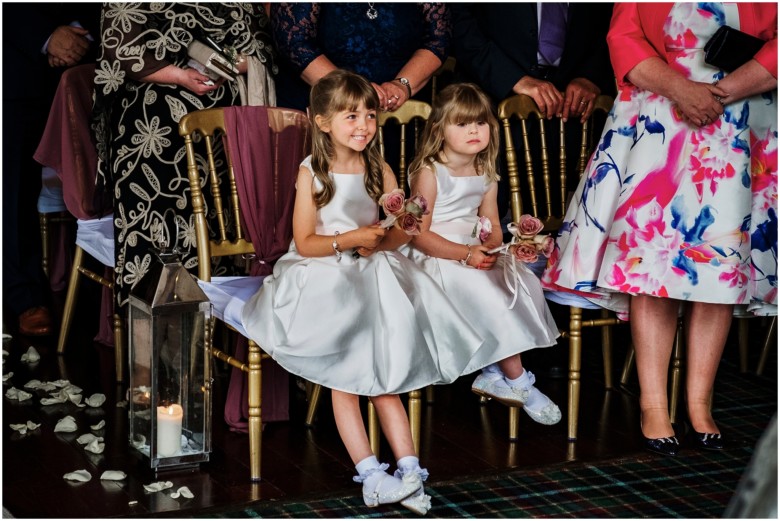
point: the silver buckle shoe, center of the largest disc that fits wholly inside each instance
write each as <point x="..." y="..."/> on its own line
<point x="419" y="502"/>
<point x="485" y="385"/>
<point x="403" y="489"/>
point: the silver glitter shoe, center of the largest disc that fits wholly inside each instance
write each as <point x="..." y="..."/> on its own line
<point x="419" y="502"/>
<point x="404" y="488"/>
<point x="485" y="385"/>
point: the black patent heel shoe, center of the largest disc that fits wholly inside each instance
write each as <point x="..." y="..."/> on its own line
<point x="706" y="440"/>
<point x="668" y="446"/>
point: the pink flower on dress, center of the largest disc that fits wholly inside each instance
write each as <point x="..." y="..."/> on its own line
<point x="482" y="228"/>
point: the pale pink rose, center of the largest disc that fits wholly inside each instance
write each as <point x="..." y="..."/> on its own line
<point x="525" y="252"/>
<point x="417" y="205"/>
<point x="393" y="203"/>
<point x="529" y="225"/>
<point x="545" y="244"/>
<point x="409" y="223"/>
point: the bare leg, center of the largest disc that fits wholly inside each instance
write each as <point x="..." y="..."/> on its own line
<point x="395" y="424"/>
<point x="653" y="326"/>
<point x="349" y="421"/>
<point x="708" y="328"/>
<point x="512" y="367"/>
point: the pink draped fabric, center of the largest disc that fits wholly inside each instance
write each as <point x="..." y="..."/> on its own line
<point x="266" y="145"/>
<point x="68" y="147"/>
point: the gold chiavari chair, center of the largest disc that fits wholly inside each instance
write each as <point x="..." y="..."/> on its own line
<point x="227" y="237"/>
<point x="547" y="193"/>
<point x="412" y="114"/>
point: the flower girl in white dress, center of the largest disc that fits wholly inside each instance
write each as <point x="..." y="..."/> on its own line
<point x="455" y="172"/>
<point x="344" y="309"/>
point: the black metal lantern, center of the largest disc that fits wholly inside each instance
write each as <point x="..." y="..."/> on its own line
<point x="169" y="399"/>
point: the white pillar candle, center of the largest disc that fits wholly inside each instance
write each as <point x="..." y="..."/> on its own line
<point x="169" y="430"/>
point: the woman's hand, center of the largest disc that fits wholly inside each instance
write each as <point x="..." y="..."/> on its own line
<point x="196" y="82"/>
<point x="395" y="95"/>
<point x="698" y="103"/>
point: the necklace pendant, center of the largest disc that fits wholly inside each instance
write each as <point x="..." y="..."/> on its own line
<point x="372" y="13"/>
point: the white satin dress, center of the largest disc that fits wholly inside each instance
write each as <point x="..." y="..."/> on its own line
<point x="485" y="297"/>
<point x="368" y="326"/>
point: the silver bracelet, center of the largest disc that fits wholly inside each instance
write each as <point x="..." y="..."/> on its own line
<point x="465" y="262"/>
<point x="336" y="247"/>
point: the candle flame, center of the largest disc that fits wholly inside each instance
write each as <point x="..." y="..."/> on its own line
<point x="170" y="410"/>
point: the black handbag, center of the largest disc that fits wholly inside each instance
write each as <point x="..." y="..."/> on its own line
<point x="729" y="48"/>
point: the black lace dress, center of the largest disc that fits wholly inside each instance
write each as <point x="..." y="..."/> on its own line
<point x="141" y="155"/>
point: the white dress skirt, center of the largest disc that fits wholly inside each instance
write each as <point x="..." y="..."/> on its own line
<point x="368" y="325"/>
<point x="509" y="305"/>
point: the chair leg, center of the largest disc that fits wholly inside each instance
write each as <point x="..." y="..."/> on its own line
<point x="628" y="365"/>
<point x="742" y="325"/>
<point x="429" y="396"/>
<point x="314" y="401"/>
<point x="255" y="381"/>
<point x="43" y="220"/>
<point x="770" y="334"/>
<point x="575" y="364"/>
<point x="606" y="350"/>
<point x="70" y="299"/>
<point x="373" y="429"/>
<point x="676" y="372"/>
<point x="119" y="346"/>
<point x="514" y="423"/>
<point x="415" y="417"/>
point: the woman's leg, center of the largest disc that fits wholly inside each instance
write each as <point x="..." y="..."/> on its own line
<point x="708" y="328"/>
<point x="653" y="326"/>
<point x="349" y="421"/>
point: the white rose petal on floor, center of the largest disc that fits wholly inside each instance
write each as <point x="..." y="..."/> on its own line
<point x="23" y="428"/>
<point x="16" y="394"/>
<point x="95" y="447"/>
<point x="96" y="400"/>
<point x="98" y="426"/>
<point x="66" y="424"/>
<point x="158" y="486"/>
<point x="113" y="475"/>
<point x="31" y="356"/>
<point x="78" y="475"/>
<point x="183" y="492"/>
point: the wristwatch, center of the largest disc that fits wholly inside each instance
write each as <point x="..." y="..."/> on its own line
<point x="405" y="83"/>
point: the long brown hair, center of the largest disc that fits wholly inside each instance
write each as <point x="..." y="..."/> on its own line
<point x="458" y="103"/>
<point x="338" y="91"/>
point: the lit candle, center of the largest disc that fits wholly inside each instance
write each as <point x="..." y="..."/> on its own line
<point x="169" y="430"/>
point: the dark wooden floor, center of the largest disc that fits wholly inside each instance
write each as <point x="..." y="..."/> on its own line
<point x="460" y="437"/>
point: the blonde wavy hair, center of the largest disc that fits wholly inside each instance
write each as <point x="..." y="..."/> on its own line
<point x="336" y="92"/>
<point x="458" y="103"/>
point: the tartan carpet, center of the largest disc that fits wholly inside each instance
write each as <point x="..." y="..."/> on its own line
<point x="695" y="484"/>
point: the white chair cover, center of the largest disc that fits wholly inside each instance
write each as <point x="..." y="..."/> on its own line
<point x="228" y="295"/>
<point x="96" y="237"/>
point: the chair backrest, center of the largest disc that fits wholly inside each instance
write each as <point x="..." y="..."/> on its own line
<point x="220" y="221"/>
<point x="548" y="195"/>
<point x="414" y="113"/>
<point x="68" y="145"/>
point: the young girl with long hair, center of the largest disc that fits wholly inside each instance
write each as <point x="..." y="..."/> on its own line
<point x="455" y="171"/>
<point x="344" y="309"/>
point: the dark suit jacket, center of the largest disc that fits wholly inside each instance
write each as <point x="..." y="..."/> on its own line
<point x="495" y="44"/>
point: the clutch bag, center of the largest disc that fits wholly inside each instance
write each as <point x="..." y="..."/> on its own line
<point x="214" y="64"/>
<point x="729" y="48"/>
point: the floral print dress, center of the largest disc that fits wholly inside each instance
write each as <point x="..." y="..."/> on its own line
<point x="141" y="157"/>
<point x="672" y="210"/>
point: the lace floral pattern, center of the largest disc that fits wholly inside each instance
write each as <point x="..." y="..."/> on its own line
<point x="141" y="155"/>
<point x="376" y="48"/>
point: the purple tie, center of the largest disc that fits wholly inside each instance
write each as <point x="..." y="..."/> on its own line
<point x="552" y="31"/>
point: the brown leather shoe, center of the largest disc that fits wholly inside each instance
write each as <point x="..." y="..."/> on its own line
<point x="35" y="322"/>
